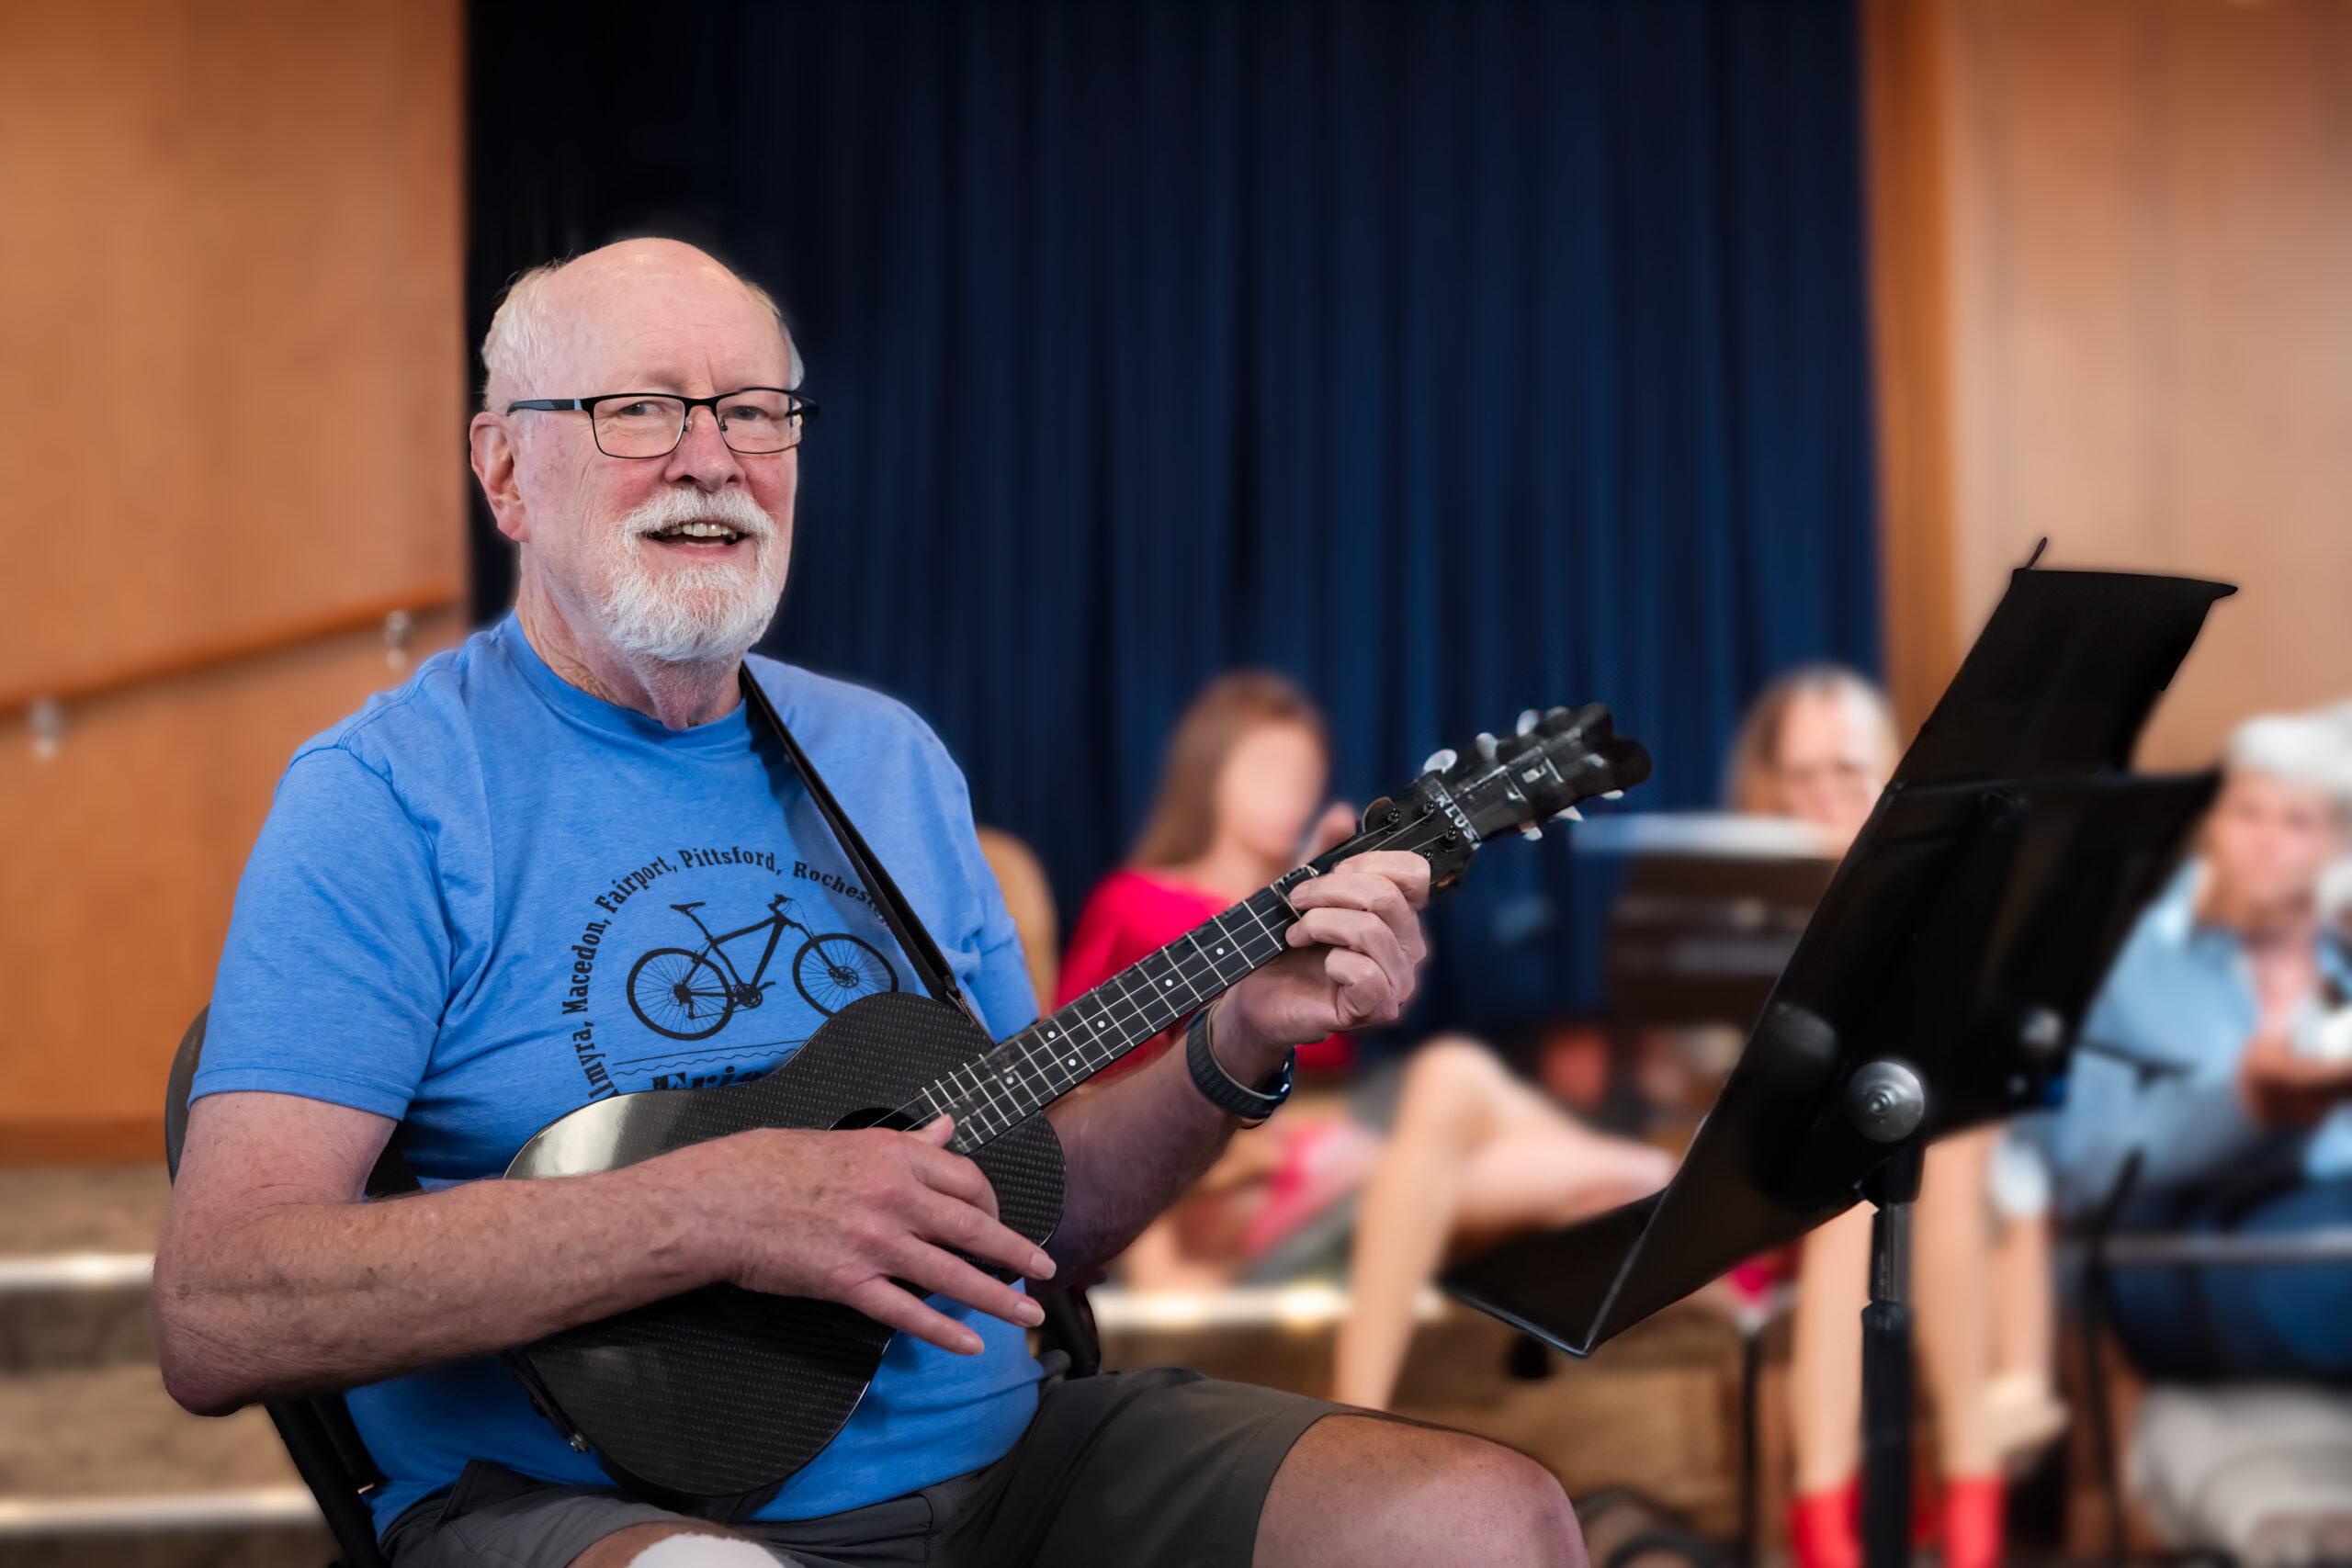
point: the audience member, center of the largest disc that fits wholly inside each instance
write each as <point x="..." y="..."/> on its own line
<point x="1473" y="1151"/>
<point x="1818" y="745"/>
<point x="2230" y="975"/>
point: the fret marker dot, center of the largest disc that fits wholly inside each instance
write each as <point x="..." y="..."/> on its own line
<point x="1168" y="982"/>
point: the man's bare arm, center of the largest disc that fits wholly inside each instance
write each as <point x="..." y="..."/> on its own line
<point x="273" y="1278"/>
<point x="1134" y="1146"/>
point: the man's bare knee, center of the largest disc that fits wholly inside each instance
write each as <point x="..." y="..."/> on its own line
<point x="1359" y="1493"/>
<point x="693" y="1545"/>
<point x="1526" y="1501"/>
<point x="1452" y="1057"/>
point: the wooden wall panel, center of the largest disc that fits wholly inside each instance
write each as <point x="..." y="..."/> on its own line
<point x="1904" y="103"/>
<point x="117" y="888"/>
<point x="2137" y="328"/>
<point x="231" y="429"/>
<point x="231" y="315"/>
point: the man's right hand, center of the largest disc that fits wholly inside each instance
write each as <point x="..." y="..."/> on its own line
<point x="856" y="1217"/>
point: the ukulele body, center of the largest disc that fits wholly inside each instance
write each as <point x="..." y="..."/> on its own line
<point x="712" y="1399"/>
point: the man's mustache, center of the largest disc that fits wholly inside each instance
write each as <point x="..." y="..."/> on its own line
<point x="729" y="509"/>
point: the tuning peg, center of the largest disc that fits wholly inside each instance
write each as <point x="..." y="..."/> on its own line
<point x="1440" y="761"/>
<point x="1612" y="795"/>
<point x="1558" y="721"/>
<point x="1533" y="831"/>
<point x="1570" y="812"/>
<point x="1486" y="744"/>
<point x="1527" y="721"/>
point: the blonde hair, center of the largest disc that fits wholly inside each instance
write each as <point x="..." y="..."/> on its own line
<point x="1182" y="819"/>
<point x="1748" y="782"/>
<point x="1029" y="899"/>
<point x="520" y="334"/>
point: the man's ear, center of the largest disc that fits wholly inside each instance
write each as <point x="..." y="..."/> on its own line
<point x="491" y="444"/>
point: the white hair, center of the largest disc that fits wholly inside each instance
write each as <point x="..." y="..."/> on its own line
<point x="2310" y="750"/>
<point x="519" y="334"/>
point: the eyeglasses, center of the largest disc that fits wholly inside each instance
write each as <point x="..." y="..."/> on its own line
<point x="754" y="421"/>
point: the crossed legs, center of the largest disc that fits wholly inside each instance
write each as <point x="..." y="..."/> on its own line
<point x="1476" y="1154"/>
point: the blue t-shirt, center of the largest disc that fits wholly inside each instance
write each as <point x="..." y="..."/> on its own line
<point x="441" y="923"/>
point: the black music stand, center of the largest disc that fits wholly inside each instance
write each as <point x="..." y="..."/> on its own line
<point x="1939" y="985"/>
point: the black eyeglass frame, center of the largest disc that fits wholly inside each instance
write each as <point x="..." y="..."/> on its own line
<point x="801" y="412"/>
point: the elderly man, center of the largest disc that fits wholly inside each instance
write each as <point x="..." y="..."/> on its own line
<point x="402" y="954"/>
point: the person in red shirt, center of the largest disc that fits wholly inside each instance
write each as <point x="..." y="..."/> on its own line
<point x="1471" y="1151"/>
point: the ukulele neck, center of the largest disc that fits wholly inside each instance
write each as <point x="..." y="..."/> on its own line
<point x="1028" y="1071"/>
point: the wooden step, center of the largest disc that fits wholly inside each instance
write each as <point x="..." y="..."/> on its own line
<point x="75" y="1251"/>
<point x="98" y="1467"/>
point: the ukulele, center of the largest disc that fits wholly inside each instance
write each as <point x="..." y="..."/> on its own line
<point x="719" y="1395"/>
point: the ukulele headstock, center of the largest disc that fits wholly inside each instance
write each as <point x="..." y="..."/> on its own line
<point x="1556" y="760"/>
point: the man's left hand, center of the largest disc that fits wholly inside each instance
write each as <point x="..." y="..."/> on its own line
<point x="1357" y="945"/>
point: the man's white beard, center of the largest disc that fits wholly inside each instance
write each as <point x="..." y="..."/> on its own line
<point x="691" y="612"/>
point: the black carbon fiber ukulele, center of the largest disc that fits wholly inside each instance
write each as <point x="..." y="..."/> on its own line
<point x="710" y="1400"/>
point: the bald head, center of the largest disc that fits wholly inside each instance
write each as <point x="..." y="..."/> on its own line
<point x="652" y="306"/>
<point x="637" y="566"/>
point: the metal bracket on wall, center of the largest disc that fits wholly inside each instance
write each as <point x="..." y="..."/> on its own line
<point x="48" y="721"/>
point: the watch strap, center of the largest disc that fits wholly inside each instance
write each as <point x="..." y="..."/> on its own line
<point x="1218" y="1087"/>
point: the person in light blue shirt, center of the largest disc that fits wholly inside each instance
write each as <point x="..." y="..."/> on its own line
<point x="476" y="907"/>
<point x="2223" y="983"/>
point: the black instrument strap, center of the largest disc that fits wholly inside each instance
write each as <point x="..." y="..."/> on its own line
<point x="914" y="941"/>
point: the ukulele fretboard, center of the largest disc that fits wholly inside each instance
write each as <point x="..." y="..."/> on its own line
<point x="1028" y="1071"/>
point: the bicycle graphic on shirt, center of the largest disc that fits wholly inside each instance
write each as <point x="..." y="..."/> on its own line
<point x="690" y="993"/>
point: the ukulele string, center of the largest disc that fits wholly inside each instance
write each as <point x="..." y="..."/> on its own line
<point x="920" y="1112"/>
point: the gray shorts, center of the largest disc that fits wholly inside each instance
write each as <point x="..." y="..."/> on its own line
<point x="1149" y="1468"/>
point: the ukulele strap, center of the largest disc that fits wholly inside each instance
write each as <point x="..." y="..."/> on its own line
<point x="913" y="940"/>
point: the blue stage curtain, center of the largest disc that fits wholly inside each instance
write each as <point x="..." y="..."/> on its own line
<point x="1453" y="358"/>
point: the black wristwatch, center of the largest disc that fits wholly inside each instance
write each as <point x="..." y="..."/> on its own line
<point x="1251" y="1105"/>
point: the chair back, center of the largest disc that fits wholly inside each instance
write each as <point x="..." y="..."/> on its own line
<point x="317" y="1432"/>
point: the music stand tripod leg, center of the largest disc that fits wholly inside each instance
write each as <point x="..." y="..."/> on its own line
<point x="1887" y="1367"/>
<point x="1887" y="1103"/>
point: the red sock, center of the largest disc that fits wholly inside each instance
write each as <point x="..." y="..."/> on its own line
<point x="1822" y="1532"/>
<point x="1973" y="1516"/>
